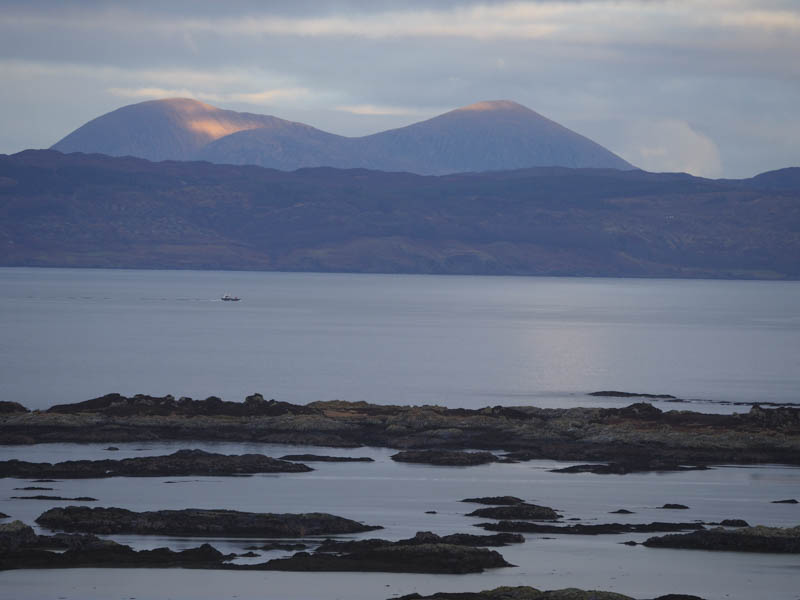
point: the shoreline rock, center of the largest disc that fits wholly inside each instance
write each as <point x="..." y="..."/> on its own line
<point x="639" y="432"/>
<point x="424" y="537"/>
<point x="321" y="458"/>
<point x="448" y="458"/>
<point x="181" y="463"/>
<point x="495" y="500"/>
<point x="200" y="522"/>
<point x="533" y="512"/>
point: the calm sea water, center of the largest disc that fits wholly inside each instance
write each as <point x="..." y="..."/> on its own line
<point x="69" y="335"/>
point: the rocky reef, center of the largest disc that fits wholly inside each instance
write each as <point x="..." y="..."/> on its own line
<point x="745" y="539"/>
<point x="517" y="511"/>
<point x="597" y="529"/>
<point x="424" y="537"/>
<point x="197" y="522"/>
<point x="639" y="433"/>
<point x="182" y="462"/>
<point x="529" y="593"/>
<point x="447" y="458"/>
<point x="323" y="458"/>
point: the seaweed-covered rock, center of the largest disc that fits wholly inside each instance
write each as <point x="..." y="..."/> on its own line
<point x="580" y="529"/>
<point x="182" y="462"/>
<point x="423" y="537"/>
<point x="517" y="511"/>
<point x="194" y="521"/>
<point x="394" y="558"/>
<point x="450" y="458"/>
<point x="746" y="539"/>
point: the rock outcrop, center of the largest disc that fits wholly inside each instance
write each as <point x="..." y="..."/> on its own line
<point x="517" y="511"/>
<point x="322" y="458"/>
<point x="424" y="537"/>
<point x="580" y="529"/>
<point x="182" y="462"/>
<point x="450" y="458"/>
<point x="745" y="539"/>
<point x="194" y="521"/>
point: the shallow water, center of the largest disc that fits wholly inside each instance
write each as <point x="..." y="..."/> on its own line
<point x="397" y="496"/>
<point x="70" y="335"/>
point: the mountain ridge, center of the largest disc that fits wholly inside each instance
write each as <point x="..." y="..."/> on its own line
<point x="99" y="211"/>
<point x="487" y="135"/>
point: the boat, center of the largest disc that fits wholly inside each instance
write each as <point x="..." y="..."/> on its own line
<point x="229" y="298"/>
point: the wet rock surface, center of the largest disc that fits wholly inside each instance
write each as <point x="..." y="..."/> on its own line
<point x="193" y="521"/>
<point x="746" y="539"/>
<point x="639" y="432"/>
<point x="322" y="458"/>
<point x="517" y="511"/>
<point x="580" y="529"/>
<point x="450" y="458"/>
<point x="182" y="462"/>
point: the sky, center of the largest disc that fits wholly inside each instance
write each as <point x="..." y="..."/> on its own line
<point x="709" y="87"/>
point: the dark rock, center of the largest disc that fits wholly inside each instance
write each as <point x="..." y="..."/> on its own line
<point x="248" y="555"/>
<point x="734" y="523"/>
<point x="45" y="481"/>
<point x="4" y="516"/>
<point x="41" y="497"/>
<point x="395" y="558"/>
<point x="520" y="593"/>
<point x="599" y="529"/>
<point x="423" y="537"/>
<point x="193" y="521"/>
<point x="746" y="539"/>
<point x="678" y="597"/>
<point x="112" y="449"/>
<point x="788" y="501"/>
<point x="675" y="506"/>
<point x="34" y="487"/>
<point x="629" y="543"/>
<point x="495" y="500"/>
<point x="182" y="462"/>
<point x="450" y="458"/>
<point x="319" y="458"/>
<point x="430" y="512"/>
<point x="517" y="511"/>
<point x="633" y="465"/>
<point x="615" y="394"/>
<point x="7" y="407"/>
<point x="622" y="511"/>
<point x="15" y="535"/>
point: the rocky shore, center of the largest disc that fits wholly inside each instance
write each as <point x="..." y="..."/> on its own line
<point x="784" y="540"/>
<point x="530" y="593"/>
<point x="639" y="432"/>
<point x="182" y="462"/>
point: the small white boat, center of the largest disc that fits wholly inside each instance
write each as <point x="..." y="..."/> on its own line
<point x="229" y="298"/>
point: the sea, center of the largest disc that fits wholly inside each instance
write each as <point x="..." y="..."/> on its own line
<point x="719" y="346"/>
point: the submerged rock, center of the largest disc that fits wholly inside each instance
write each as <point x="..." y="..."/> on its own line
<point x="745" y="539"/>
<point x="423" y="537"/>
<point x="495" y="500"/>
<point x="450" y="458"/>
<point x="599" y="529"/>
<point x="194" y="521"/>
<point x="182" y="462"/>
<point x="321" y="458"/>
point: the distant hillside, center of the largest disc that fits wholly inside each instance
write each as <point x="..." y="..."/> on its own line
<point x="486" y="136"/>
<point x="98" y="211"/>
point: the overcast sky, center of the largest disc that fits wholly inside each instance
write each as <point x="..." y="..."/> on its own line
<point x="710" y="87"/>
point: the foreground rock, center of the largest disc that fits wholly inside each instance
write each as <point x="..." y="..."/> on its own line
<point x="182" y="462"/>
<point x="517" y="511"/>
<point x="612" y="435"/>
<point x="529" y="593"/>
<point x="599" y="529"/>
<point x="745" y="539"/>
<point x="423" y="537"/>
<point x="194" y="521"/>
<point x="321" y="458"/>
<point x="449" y="458"/>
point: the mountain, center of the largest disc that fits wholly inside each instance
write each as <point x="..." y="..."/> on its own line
<point x="100" y="211"/>
<point x="497" y="135"/>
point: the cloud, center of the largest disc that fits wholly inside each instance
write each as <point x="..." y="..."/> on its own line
<point x="371" y="109"/>
<point x="671" y="145"/>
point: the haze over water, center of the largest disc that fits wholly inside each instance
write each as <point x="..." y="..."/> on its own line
<point x="70" y="335"/>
